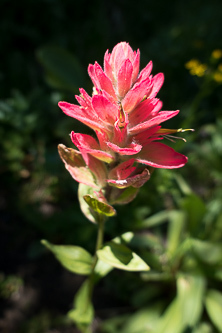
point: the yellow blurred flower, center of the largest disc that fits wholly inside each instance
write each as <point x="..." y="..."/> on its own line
<point x="220" y="67"/>
<point x="192" y="63"/>
<point x="217" y="54"/>
<point x="196" y="67"/>
<point x="218" y="77"/>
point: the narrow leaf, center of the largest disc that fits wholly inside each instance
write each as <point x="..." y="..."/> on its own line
<point x="175" y="229"/>
<point x="73" y="258"/>
<point x="155" y="220"/>
<point x="195" y="209"/>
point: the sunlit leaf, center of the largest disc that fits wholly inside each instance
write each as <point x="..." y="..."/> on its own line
<point x="120" y="256"/>
<point x="186" y="308"/>
<point x="144" y="320"/>
<point x="191" y="290"/>
<point x="102" y="269"/>
<point x="73" y="258"/>
<point x="214" y="307"/>
<point x="99" y="206"/>
<point x="172" y="319"/>
<point x="124" y="238"/>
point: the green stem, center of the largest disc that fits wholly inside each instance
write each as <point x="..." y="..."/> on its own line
<point x="100" y="234"/>
<point x="99" y="244"/>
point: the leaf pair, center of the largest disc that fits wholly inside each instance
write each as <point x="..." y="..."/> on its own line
<point x="112" y="255"/>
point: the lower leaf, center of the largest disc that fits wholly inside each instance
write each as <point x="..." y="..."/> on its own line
<point x="83" y="312"/>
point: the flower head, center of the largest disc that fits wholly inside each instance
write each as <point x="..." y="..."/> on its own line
<point x="125" y="116"/>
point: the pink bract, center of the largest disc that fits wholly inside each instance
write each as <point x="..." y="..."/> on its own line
<point x="125" y="116"/>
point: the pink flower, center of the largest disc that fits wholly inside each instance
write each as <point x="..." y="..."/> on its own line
<point x="126" y="116"/>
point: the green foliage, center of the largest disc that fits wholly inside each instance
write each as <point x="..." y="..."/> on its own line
<point x="74" y="258"/>
<point x="214" y="307"/>
<point x="175" y="222"/>
<point x="83" y="311"/>
<point x="120" y="256"/>
<point x="99" y="207"/>
<point x="186" y="258"/>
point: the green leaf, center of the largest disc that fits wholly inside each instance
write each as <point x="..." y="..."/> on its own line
<point x="208" y="252"/>
<point x="99" y="206"/>
<point x="124" y="238"/>
<point x="183" y="185"/>
<point x="120" y="256"/>
<point x="101" y="269"/>
<point x="186" y="308"/>
<point x="156" y="276"/>
<point x="172" y="319"/>
<point x="83" y="311"/>
<point x="148" y="241"/>
<point x="63" y="69"/>
<point x="195" y="209"/>
<point x="73" y="258"/>
<point x="144" y="320"/>
<point x="155" y="220"/>
<point x="175" y="229"/>
<point x="190" y="293"/>
<point x="214" y="307"/>
<point x="203" y="328"/>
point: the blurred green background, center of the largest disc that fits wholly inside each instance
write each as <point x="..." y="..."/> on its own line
<point x="46" y="46"/>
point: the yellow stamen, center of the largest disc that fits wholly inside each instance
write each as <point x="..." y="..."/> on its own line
<point x="122" y="117"/>
<point x="171" y="131"/>
<point x="166" y="133"/>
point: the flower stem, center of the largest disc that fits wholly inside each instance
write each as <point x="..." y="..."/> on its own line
<point x="100" y="234"/>
<point x="99" y="244"/>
